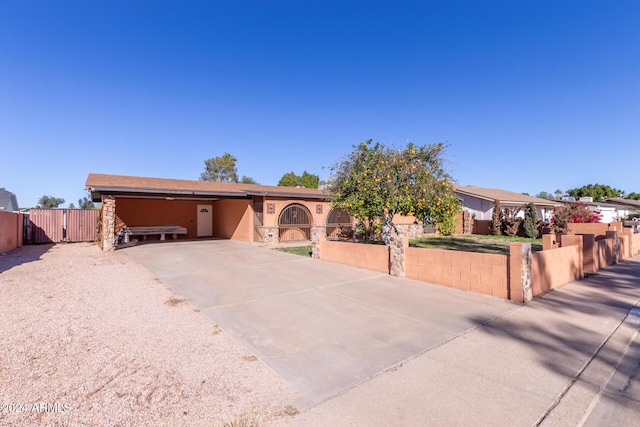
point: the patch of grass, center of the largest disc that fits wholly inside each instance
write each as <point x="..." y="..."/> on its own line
<point x="297" y="250"/>
<point x="474" y="243"/>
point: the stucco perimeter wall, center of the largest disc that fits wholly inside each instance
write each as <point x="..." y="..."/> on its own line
<point x="371" y="257"/>
<point x="599" y="229"/>
<point x="10" y="231"/>
<point x="635" y="244"/>
<point x="555" y="267"/>
<point x="233" y="219"/>
<point x="150" y="212"/>
<point x="482" y="273"/>
<point x="603" y="253"/>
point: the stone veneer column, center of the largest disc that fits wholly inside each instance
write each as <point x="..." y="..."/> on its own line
<point x="318" y="234"/>
<point x="108" y="223"/>
<point x="397" y="251"/>
<point x="616" y="245"/>
<point x="520" y="272"/>
<point x="466" y="222"/>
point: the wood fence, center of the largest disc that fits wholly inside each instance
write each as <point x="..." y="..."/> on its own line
<point x="61" y="225"/>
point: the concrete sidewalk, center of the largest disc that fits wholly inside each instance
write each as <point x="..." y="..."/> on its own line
<point x="569" y="358"/>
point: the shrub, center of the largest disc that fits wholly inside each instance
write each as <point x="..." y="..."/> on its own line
<point x="496" y="219"/>
<point x="530" y="221"/>
<point x="577" y="213"/>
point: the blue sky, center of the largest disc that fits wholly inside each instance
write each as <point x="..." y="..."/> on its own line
<point x="530" y="95"/>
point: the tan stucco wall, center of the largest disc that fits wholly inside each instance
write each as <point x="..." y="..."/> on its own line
<point x="149" y="212"/>
<point x="555" y="267"/>
<point x="10" y="231"/>
<point x="233" y="219"/>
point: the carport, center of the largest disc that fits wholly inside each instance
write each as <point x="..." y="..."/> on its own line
<point x="244" y="212"/>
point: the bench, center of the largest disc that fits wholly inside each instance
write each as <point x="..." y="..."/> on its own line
<point x="161" y="230"/>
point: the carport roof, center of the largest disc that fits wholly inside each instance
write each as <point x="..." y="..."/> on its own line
<point x="101" y="184"/>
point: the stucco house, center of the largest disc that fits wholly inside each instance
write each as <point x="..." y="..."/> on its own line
<point x="632" y="206"/>
<point x="8" y="201"/>
<point x="479" y="201"/>
<point x="245" y="212"/>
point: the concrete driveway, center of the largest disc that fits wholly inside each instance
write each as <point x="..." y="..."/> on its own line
<point x="323" y="327"/>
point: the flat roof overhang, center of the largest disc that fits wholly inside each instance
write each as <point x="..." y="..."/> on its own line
<point x="98" y="192"/>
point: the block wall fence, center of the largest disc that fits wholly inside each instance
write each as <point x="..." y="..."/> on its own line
<point x="519" y="276"/>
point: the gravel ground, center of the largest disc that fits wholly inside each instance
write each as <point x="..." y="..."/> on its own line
<point x="92" y="338"/>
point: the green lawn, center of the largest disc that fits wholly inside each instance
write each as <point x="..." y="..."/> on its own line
<point x="474" y="243"/>
<point x="297" y="250"/>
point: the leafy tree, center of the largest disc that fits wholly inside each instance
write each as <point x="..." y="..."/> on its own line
<point x="559" y="193"/>
<point x="307" y="180"/>
<point x="289" y="179"/>
<point x="510" y="221"/>
<point x="86" y="203"/>
<point x="247" y="180"/>
<point x="374" y="183"/>
<point x="222" y="169"/>
<point x="633" y="196"/>
<point x="545" y="195"/>
<point x="496" y="219"/>
<point x="530" y="224"/>
<point x="71" y="206"/>
<point x="572" y="213"/>
<point x="49" y="202"/>
<point x="599" y="192"/>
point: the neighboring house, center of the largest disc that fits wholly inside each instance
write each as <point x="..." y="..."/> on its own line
<point x="632" y="206"/>
<point x="8" y="200"/>
<point x="609" y="212"/>
<point x="479" y="201"/>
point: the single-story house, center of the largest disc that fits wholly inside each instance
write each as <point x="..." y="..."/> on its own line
<point x="609" y="212"/>
<point x="202" y="209"/>
<point x="8" y="201"/>
<point x="479" y="203"/>
<point x="631" y="205"/>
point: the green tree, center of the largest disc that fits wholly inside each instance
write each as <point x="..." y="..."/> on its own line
<point x="559" y="193"/>
<point x="221" y="169"/>
<point x="545" y="195"/>
<point x="247" y="180"/>
<point x="289" y="179"/>
<point x="599" y="192"/>
<point x="374" y="183"/>
<point x="633" y="196"/>
<point x="86" y="203"/>
<point x="49" y="202"/>
<point x="71" y="206"/>
<point x="307" y="180"/>
<point x="530" y="221"/>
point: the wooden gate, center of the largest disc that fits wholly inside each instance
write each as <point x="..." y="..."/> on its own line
<point x="59" y="225"/>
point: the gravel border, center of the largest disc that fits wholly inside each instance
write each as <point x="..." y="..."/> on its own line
<point x="93" y="338"/>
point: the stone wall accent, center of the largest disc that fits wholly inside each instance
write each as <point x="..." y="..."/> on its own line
<point x="466" y="222"/>
<point x="397" y="250"/>
<point x="108" y="223"/>
<point x="318" y="234"/>
<point x="616" y="245"/>
<point x="520" y="272"/>
<point x="270" y="235"/>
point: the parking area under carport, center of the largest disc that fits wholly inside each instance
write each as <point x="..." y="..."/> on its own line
<point x="323" y="327"/>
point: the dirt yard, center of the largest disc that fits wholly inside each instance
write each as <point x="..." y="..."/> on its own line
<point x="92" y="338"/>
